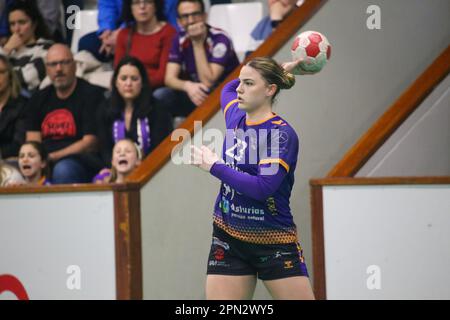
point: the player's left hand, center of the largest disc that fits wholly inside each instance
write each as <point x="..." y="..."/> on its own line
<point x="293" y="67"/>
<point x="203" y="157"/>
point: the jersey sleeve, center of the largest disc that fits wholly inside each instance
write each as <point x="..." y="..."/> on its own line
<point x="259" y="187"/>
<point x="175" y="55"/>
<point x="229" y="104"/>
<point x="222" y="47"/>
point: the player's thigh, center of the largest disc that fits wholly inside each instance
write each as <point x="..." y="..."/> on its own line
<point x="225" y="287"/>
<point x="292" y="288"/>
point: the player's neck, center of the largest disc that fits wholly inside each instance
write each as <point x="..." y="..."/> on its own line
<point x="260" y="114"/>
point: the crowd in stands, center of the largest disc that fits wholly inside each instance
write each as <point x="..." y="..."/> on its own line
<point x="165" y="58"/>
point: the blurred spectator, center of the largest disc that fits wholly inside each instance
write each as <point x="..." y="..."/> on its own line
<point x="62" y="116"/>
<point x="278" y="11"/>
<point x="131" y="112"/>
<point x="28" y="44"/>
<point x="102" y="42"/>
<point x="170" y="11"/>
<point x="51" y="11"/>
<point x="200" y="58"/>
<point x="126" y="156"/>
<point x="12" y="107"/>
<point x="9" y="175"/>
<point x="148" y="37"/>
<point x="34" y="164"/>
<point x="4" y="25"/>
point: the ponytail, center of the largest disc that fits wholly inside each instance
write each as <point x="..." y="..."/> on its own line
<point x="273" y="73"/>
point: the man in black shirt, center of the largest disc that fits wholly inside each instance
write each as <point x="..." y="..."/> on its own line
<point x="62" y="116"/>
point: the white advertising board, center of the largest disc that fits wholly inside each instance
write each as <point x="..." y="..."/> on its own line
<point x="387" y="242"/>
<point x="57" y="246"/>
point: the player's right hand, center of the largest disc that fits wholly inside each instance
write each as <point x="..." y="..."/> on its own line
<point x="203" y="157"/>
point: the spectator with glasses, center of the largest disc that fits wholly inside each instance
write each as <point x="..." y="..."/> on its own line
<point x="200" y="58"/>
<point x="62" y="117"/>
<point x="102" y="42"/>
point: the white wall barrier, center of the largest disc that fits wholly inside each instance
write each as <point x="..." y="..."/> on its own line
<point x="382" y="240"/>
<point x="63" y="245"/>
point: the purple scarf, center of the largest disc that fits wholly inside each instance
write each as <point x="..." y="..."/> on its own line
<point x="143" y="132"/>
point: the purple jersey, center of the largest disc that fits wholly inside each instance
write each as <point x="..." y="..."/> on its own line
<point x="218" y="48"/>
<point x="257" y="176"/>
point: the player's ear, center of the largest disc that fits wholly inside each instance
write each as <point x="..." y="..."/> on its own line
<point x="271" y="90"/>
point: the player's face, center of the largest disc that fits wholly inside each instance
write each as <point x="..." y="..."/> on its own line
<point x="253" y="91"/>
<point x="129" y="82"/>
<point x="30" y="162"/>
<point x="125" y="157"/>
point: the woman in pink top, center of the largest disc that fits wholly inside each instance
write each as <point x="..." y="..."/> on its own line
<point x="147" y="37"/>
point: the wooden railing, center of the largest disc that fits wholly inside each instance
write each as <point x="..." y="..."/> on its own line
<point x="391" y="120"/>
<point x="285" y="31"/>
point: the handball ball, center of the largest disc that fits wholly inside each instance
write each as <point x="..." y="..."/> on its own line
<point x="314" y="48"/>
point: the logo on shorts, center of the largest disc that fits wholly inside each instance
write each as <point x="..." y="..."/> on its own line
<point x="288" y="264"/>
<point x="219" y="254"/>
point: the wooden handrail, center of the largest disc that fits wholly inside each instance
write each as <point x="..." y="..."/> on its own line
<point x="391" y="120"/>
<point x="159" y="157"/>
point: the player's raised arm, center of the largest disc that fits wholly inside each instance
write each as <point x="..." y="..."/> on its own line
<point x="229" y="102"/>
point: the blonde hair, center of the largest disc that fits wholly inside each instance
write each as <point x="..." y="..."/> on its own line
<point x="272" y="73"/>
<point x="14" y="82"/>
<point x="113" y="176"/>
<point x="8" y="174"/>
